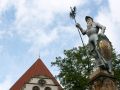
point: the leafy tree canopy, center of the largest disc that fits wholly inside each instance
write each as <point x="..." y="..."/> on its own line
<point x="75" y="68"/>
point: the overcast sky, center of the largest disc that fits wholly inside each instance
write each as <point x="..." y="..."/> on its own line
<point x="29" y="28"/>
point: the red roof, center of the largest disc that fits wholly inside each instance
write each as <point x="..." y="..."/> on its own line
<point x="38" y="68"/>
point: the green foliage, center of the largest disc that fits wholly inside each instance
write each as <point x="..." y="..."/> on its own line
<point x="75" y="66"/>
<point x="116" y="66"/>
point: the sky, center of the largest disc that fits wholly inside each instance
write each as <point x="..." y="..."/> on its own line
<point x="33" y="28"/>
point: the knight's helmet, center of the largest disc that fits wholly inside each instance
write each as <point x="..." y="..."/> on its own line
<point x="88" y="17"/>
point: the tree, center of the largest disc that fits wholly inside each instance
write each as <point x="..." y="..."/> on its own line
<point x="75" y="66"/>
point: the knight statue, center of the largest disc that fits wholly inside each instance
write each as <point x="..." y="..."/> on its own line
<point x="98" y="42"/>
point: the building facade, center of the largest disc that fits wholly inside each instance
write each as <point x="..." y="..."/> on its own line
<point x="37" y="77"/>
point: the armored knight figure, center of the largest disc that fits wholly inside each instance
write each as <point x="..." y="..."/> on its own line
<point x="92" y="32"/>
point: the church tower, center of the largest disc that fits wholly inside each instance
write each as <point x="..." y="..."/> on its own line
<point x="37" y="77"/>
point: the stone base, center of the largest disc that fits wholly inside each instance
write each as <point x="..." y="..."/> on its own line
<point x="102" y="80"/>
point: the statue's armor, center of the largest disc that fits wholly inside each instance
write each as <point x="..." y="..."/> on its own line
<point x="93" y="29"/>
<point x="92" y="33"/>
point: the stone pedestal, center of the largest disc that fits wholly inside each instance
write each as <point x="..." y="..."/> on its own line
<point x="102" y="80"/>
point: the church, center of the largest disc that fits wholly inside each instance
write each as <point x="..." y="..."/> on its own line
<point x="37" y="77"/>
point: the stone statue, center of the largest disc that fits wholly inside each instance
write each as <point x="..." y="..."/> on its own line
<point x="103" y="61"/>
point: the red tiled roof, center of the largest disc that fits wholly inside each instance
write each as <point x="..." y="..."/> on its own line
<point x="38" y="68"/>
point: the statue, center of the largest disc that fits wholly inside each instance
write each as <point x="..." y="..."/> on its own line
<point x="100" y="48"/>
<point x="98" y="42"/>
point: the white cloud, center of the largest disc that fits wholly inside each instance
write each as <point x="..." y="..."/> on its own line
<point x="7" y="82"/>
<point x="110" y="18"/>
<point x="98" y="2"/>
<point x="1" y="49"/>
<point x="43" y="10"/>
<point x="3" y="4"/>
<point x="4" y="33"/>
<point x="31" y="13"/>
<point x="40" y="39"/>
<point x="114" y="8"/>
<point x="33" y="16"/>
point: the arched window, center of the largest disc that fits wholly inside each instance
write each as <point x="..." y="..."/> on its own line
<point x="48" y="88"/>
<point x="35" y="88"/>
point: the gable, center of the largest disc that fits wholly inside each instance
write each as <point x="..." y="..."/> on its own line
<point x="40" y="82"/>
<point x="37" y="69"/>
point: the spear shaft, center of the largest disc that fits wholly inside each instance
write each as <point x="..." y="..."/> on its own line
<point x="79" y="33"/>
<point x="72" y="15"/>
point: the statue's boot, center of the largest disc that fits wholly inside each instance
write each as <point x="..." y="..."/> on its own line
<point x="109" y="63"/>
<point x="102" y="61"/>
<point x="101" y="64"/>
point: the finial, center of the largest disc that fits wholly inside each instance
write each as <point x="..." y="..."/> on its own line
<point x="39" y="54"/>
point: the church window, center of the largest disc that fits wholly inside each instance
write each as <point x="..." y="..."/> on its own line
<point x="35" y="88"/>
<point x="48" y="88"/>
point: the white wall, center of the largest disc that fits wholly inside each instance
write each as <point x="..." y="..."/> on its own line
<point x="34" y="82"/>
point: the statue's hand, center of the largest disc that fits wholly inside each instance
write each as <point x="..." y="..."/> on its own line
<point x="78" y="25"/>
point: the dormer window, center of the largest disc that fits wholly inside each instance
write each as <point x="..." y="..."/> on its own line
<point x="35" y="88"/>
<point x="48" y="88"/>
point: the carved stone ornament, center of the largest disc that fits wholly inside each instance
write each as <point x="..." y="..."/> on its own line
<point x="42" y="82"/>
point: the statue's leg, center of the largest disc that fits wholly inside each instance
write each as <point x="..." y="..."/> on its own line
<point x="99" y="62"/>
<point x="107" y="65"/>
<point x="100" y="58"/>
<point x="109" y="62"/>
